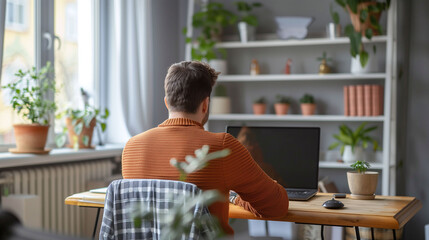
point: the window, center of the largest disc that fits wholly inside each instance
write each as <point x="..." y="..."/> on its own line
<point x="71" y="22"/>
<point x="16" y="14"/>
<point x="18" y="53"/>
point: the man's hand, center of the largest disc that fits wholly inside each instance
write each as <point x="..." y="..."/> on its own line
<point x="232" y="196"/>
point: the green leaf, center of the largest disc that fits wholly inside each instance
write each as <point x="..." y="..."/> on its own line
<point x="85" y="140"/>
<point x="60" y="140"/>
<point x="341" y="3"/>
<point x="363" y="57"/>
<point x="352" y="5"/>
<point x="184" y="31"/>
<point x="368" y="33"/>
<point x="78" y="128"/>
<point x="333" y="145"/>
<point x="103" y="127"/>
<point x="363" y="15"/>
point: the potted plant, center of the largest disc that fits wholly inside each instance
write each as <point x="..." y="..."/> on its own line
<point x="80" y="126"/>
<point x="364" y="15"/>
<point x="210" y="20"/>
<point x="259" y="106"/>
<point x="308" y="106"/>
<point x="281" y="106"/>
<point x="324" y="67"/>
<point x="353" y="142"/>
<point x="220" y="102"/>
<point x="362" y="183"/>
<point x="30" y="98"/>
<point x="247" y="22"/>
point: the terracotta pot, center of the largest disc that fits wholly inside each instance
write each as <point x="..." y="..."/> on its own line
<point x="281" y="108"/>
<point x="30" y="137"/>
<point x="308" y="109"/>
<point x="259" y="108"/>
<point x="361" y="27"/>
<point x="86" y="131"/>
<point x="362" y="185"/>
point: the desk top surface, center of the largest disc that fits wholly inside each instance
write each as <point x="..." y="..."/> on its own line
<point x="391" y="212"/>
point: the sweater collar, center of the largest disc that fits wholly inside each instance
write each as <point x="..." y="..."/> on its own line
<point x="180" y="122"/>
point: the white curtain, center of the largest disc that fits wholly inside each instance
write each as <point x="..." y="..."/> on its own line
<point x="130" y="94"/>
<point x="2" y="22"/>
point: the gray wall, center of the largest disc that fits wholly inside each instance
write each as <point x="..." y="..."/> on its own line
<point x="415" y="177"/>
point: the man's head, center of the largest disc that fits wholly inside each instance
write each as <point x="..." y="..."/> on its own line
<point x="188" y="85"/>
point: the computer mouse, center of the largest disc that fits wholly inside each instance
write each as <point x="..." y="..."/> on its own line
<point x="333" y="204"/>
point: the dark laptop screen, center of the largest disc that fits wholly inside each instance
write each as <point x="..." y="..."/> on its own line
<point x="289" y="155"/>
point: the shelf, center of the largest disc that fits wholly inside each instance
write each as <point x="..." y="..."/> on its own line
<point x="292" y="42"/>
<point x="325" y="164"/>
<point x="301" y="77"/>
<point x="293" y="117"/>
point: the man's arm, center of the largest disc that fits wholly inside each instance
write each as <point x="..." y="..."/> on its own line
<point x="258" y="193"/>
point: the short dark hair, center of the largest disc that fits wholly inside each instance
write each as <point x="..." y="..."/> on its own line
<point x="187" y="84"/>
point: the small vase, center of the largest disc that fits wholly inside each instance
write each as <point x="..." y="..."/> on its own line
<point x="350" y="156"/>
<point x="247" y="32"/>
<point x="220" y="105"/>
<point x="219" y="65"/>
<point x="259" y="108"/>
<point x="308" y="109"/>
<point x="324" y="68"/>
<point x="371" y="65"/>
<point x="281" y="108"/>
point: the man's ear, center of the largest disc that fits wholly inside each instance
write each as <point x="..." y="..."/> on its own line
<point x="206" y="104"/>
<point x="165" y="102"/>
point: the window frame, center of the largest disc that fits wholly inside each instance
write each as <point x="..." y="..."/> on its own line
<point x="14" y="25"/>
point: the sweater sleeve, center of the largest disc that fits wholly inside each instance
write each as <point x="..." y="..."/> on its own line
<point x="258" y="193"/>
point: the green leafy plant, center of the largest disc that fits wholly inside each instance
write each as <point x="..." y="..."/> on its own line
<point x="32" y="92"/>
<point x="210" y="21"/>
<point x="80" y="119"/>
<point x="366" y="12"/>
<point x="360" y="166"/>
<point x="260" y="100"/>
<point x="220" y="91"/>
<point x="244" y="9"/>
<point x="359" y="137"/>
<point x="282" y="99"/>
<point x="324" y="57"/>
<point x="307" y="98"/>
<point x="178" y="220"/>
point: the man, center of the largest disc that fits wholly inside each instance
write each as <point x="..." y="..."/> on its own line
<point x="187" y="95"/>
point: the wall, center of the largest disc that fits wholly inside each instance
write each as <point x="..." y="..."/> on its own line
<point x="416" y="163"/>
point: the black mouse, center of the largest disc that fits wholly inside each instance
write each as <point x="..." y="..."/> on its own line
<point x="333" y="204"/>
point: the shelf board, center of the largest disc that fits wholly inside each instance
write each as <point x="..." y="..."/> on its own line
<point x="325" y="164"/>
<point x="301" y="77"/>
<point x="294" y="42"/>
<point x="293" y="117"/>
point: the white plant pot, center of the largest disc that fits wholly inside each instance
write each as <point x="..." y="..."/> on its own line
<point x="370" y="67"/>
<point x="247" y="32"/>
<point x="351" y="157"/>
<point x="220" y="105"/>
<point x="219" y="65"/>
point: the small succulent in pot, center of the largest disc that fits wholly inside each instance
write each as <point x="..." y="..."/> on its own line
<point x="308" y="106"/>
<point x="281" y="106"/>
<point x="259" y="106"/>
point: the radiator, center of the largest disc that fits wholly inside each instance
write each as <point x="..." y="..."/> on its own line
<point x="53" y="184"/>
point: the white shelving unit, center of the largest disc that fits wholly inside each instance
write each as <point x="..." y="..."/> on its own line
<point x="388" y="77"/>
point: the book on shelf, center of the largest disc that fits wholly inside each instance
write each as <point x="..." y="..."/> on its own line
<point x="360" y="100"/>
<point x="363" y="100"/>
<point x="367" y="99"/>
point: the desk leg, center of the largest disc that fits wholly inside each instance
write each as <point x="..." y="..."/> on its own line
<point x="394" y="234"/>
<point x="372" y="233"/>
<point x="96" y="223"/>
<point x="357" y="233"/>
<point x="322" y="236"/>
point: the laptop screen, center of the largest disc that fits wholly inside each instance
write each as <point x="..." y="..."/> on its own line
<point x="289" y="155"/>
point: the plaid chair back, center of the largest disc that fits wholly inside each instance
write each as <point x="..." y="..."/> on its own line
<point x="127" y="197"/>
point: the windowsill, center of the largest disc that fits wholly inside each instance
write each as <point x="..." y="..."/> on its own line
<point x="60" y="155"/>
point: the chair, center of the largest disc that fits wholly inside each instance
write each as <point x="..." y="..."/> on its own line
<point x="128" y="197"/>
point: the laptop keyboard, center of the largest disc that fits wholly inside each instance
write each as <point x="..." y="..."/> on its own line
<point x="299" y="195"/>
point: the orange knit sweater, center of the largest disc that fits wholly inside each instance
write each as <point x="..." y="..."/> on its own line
<point x="148" y="155"/>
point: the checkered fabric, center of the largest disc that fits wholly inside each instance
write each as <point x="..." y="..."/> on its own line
<point x="157" y="196"/>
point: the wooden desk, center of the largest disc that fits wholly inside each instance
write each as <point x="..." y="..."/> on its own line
<point x="389" y="212"/>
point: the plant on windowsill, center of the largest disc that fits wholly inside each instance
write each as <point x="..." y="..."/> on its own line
<point x="220" y="103"/>
<point x="362" y="183"/>
<point x="31" y="96"/>
<point x="247" y="22"/>
<point x="308" y="105"/>
<point x="353" y="142"/>
<point x="259" y="106"/>
<point x="80" y="126"/>
<point x="364" y="15"/>
<point x="210" y="21"/>
<point x="281" y="106"/>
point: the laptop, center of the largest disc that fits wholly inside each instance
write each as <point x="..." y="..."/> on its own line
<point x="289" y="155"/>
